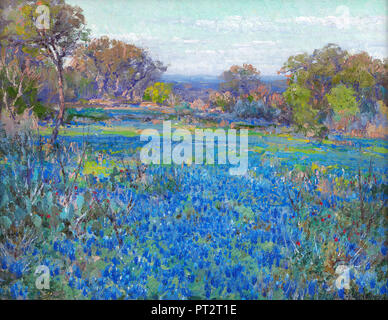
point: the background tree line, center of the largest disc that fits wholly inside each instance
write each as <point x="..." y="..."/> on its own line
<point x="328" y="89"/>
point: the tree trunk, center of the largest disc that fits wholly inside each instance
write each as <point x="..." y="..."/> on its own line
<point x="59" y="119"/>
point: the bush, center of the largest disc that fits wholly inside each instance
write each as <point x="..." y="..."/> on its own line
<point x="159" y="92"/>
<point x="255" y="109"/>
<point x="224" y="100"/>
<point x="19" y="91"/>
<point x="183" y="108"/>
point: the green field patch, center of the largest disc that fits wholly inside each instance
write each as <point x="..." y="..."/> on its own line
<point x="122" y="131"/>
<point x="382" y="150"/>
<point x="273" y="148"/>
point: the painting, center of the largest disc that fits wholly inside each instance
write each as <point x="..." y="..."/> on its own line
<point x="193" y="150"/>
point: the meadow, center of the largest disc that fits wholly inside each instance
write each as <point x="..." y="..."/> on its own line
<point x="109" y="227"/>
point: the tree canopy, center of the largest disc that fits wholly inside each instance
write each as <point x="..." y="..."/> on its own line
<point x="119" y="68"/>
<point x="337" y="81"/>
<point x="240" y="80"/>
<point x="63" y="33"/>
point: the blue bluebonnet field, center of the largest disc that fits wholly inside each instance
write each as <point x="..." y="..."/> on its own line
<point x="109" y="227"/>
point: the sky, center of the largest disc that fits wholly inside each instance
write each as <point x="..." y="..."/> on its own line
<point x="206" y="37"/>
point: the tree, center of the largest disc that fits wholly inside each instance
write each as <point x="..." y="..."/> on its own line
<point x="366" y="76"/>
<point x="331" y="66"/>
<point x="343" y="102"/>
<point x="119" y="68"/>
<point x="303" y="115"/>
<point x="240" y="80"/>
<point x="315" y="72"/>
<point x="66" y="30"/>
<point x="20" y="77"/>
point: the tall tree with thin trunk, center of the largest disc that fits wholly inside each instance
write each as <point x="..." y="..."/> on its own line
<point x="53" y="29"/>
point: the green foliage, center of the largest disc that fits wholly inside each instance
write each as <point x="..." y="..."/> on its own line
<point x="304" y="116"/>
<point x="19" y="91"/>
<point x="40" y="204"/>
<point x="333" y="74"/>
<point x="343" y="100"/>
<point x="158" y="92"/>
<point x="183" y="109"/>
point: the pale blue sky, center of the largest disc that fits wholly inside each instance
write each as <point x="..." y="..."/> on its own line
<point x="207" y="37"/>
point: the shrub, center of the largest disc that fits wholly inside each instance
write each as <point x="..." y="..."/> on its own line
<point x="255" y="109"/>
<point x="224" y="100"/>
<point x="159" y="92"/>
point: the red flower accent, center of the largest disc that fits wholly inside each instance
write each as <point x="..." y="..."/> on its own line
<point x="323" y="219"/>
<point x="56" y="193"/>
<point x="336" y="239"/>
<point x="344" y="231"/>
<point x="107" y="200"/>
<point x="320" y="203"/>
<point x="329" y="216"/>
<point x="75" y="188"/>
<point x="48" y="216"/>
<point x="298" y="243"/>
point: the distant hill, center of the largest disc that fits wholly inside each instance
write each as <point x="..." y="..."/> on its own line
<point x="198" y="86"/>
<point x="198" y="81"/>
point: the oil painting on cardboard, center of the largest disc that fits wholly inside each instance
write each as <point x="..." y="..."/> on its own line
<point x="193" y="149"/>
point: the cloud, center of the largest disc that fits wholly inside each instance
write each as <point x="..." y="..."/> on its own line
<point x="209" y="46"/>
<point x="231" y="23"/>
<point x="269" y="43"/>
<point x="190" y="41"/>
<point x="343" y="21"/>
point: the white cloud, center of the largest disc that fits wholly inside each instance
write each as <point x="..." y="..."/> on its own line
<point x="263" y="42"/>
<point x="231" y="23"/>
<point x="344" y="21"/>
<point x="190" y="41"/>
